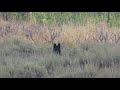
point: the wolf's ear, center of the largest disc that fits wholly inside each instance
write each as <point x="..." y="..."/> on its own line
<point x="54" y="44"/>
<point x="59" y="44"/>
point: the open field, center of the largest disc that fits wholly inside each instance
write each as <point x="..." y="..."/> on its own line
<point x="24" y="60"/>
<point x="25" y="53"/>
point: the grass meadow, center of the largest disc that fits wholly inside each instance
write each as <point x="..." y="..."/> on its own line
<point x="87" y="51"/>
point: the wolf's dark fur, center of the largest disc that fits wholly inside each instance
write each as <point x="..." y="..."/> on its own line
<point x="57" y="48"/>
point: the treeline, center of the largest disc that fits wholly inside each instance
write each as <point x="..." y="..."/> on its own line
<point x="15" y="15"/>
<point x="113" y="18"/>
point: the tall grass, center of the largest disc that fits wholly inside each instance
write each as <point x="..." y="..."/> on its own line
<point x="24" y="60"/>
<point x="70" y="33"/>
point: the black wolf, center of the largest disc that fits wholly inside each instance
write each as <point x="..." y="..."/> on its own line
<point x="57" y="48"/>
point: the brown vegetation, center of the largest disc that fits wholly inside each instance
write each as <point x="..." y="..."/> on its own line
<point x="69" y="33"/>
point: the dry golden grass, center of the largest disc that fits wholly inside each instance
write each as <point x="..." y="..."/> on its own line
<point x="41" y="33"/>
<point x="67" y="33"/>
